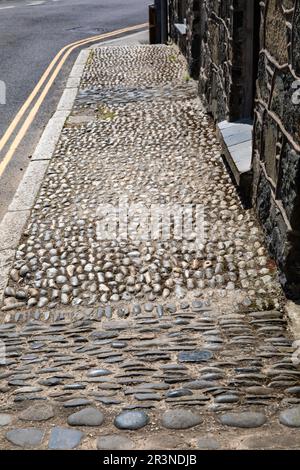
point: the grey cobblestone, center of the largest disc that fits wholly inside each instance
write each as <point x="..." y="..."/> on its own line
<point x="148" y="329"/>
<point x="136" y="145"/>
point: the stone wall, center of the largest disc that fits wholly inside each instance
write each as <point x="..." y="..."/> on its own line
<point x="178" y="10"/>
<point x="276" y="157"/>
<point x="221" y="63"/>
<point x="216" y="53"/>
<point x="191" y="43"/>
<point x="173" y="17"/>
<point x="226" y="53"/>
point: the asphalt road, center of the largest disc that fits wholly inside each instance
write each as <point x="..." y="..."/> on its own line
<point x="31" y="34"/>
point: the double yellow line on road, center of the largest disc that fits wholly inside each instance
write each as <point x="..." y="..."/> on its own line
<point x="53" y="69"/>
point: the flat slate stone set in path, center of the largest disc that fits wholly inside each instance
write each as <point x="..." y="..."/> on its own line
<point x="152" y="345"/>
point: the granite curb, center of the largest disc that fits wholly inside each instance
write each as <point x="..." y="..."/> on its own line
<point x="14" y="221"/>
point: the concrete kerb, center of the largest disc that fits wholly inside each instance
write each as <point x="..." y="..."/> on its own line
<point x="29" y="187"/>
<point x="67" y="99"/>
<point x="47" y="144"/>
<point x="13" y="223"/>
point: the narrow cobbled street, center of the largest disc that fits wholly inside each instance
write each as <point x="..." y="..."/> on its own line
<point x="152" y="344"/>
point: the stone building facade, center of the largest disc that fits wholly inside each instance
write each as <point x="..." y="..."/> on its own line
<point x="246" y="56"/>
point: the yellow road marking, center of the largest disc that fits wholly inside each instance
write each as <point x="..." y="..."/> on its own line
<point x="35" y="91"/>
<point x="69" y="49"/>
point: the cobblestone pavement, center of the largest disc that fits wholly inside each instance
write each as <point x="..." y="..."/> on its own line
<point x="152" y="345"/>
<point x="137" y="129"/>
<point x="94" y="380"/>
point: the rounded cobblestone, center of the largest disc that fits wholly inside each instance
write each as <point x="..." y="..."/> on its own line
<point x="245" y="419"/>
<point x="29" y="437"/>
<point x="64" y="438"/>
<point x="131" y="420"/>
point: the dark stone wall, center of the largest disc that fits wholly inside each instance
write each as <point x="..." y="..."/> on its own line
<point x="193" y="37"/>
<point x="221" y="63"/>
<point x="276" y="156"/>
<point x="246" y="55"/>
<point x="178" y="10"/>
<point x="173" y="17"/>
<point x="226" y="55"/>
<point x="191" y="43"/>
<point x="216" y="57"/>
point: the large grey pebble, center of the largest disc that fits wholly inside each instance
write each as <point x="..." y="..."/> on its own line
<point x="29" y="437"/>
<point x="86" y="417"/>
<point x="290" y="417"/>
<point x="180" y="419"/>
<point x="63" y="438"/>
<point x="247" y="419"/>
